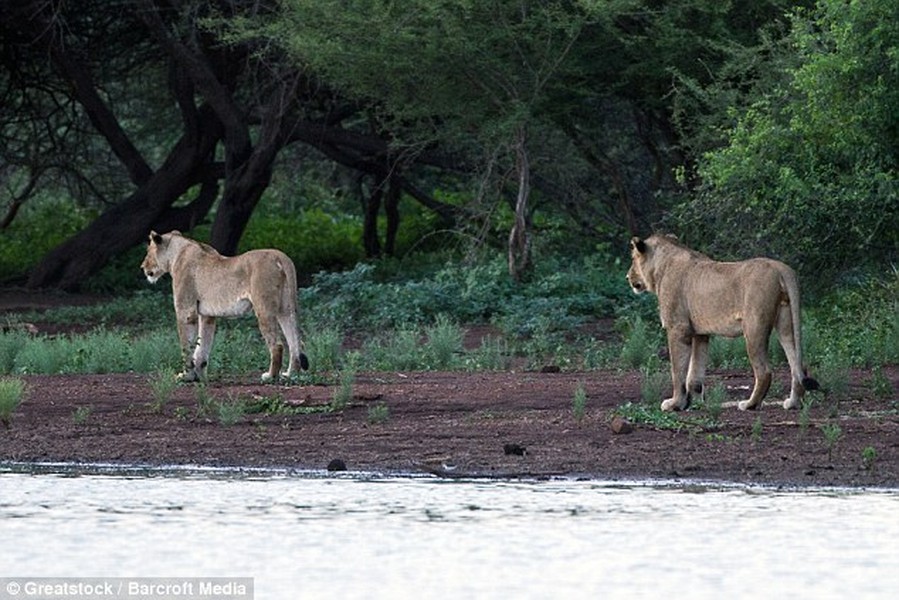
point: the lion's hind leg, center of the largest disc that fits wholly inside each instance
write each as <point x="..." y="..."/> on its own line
<point x="757" y="349"/>
<point x="271" y="333"/>
<point x="788" y="342"/>
<point x="298" y="359"/>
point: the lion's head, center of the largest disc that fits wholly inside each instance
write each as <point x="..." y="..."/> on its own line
<point x="650" y="257"/>
<point x="639" y="276"/>
<point x="158" y="260"/>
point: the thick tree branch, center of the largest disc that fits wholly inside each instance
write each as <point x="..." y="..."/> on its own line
<point x="32" y="18"/>
<point x="237" y="133"/>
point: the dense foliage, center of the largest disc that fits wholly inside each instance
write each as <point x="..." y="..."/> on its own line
<point x="538" y="130"/>
<point x="497" y="117"/>
<point x="809" y="170"/>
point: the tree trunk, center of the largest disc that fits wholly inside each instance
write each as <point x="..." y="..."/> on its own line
<point x="372" y="206"/>
<point x="519" y="237"/>
<point x="242" y="194"/>
<point x="128" y="223"/>
<point x="392" y="209"/>
<point x="249" y="168"/>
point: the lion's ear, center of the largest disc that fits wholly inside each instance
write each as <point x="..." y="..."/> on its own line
<point x="155" y="238"/>
<point x="638" y="245"/>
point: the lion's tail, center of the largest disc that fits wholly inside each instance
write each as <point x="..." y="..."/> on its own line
<point x="289" y="290"/>
<point x="791" y="285"/>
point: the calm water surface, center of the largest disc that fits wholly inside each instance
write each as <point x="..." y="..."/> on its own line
<point x="302" y="536"/>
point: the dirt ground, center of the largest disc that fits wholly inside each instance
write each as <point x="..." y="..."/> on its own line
<point x="497" y="424"/>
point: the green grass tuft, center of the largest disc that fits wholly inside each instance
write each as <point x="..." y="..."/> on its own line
<point x="12" y="392"/>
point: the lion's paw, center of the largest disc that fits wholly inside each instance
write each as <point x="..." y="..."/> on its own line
<point x="188" y="376"/>
<point x="672" y="404"/>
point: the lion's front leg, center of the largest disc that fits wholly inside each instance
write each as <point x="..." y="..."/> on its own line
<point x="680" y="347"/>
<point x="696" y="373"/>
<point x="187" y="334"/>
<point x="204" y="346"/>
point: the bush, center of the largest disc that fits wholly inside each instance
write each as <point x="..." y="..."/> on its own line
<point x="313" y="239"/>
<point x="42" y="225"/>
<point x="809" y="171"/>
<point x="12" y="390"/>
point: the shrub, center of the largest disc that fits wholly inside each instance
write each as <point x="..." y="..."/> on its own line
<point x="378" y="413"/>
<point x="343" y="394"/>
<point x="162" y="385"/>
<point x="313" y="239"/>
<point x="444" y="343"/>
<point x="230" y="411"/>
<point x="653" y="384"/>
<point x="641" y="345"/>
<point x="323" y="348"/>
<point x="11" y="344"/>
<point x="579" y="402"/>
<point x="12" y="390"/>
<point x="42" y="355"/>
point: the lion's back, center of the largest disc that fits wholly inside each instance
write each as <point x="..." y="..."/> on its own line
<point x="266" y="278"/>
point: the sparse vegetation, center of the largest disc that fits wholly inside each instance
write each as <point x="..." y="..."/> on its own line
<point x="713" y="401"/>
<point x="343" y="393"/>
<point x="756" y="435"/>
<point x="805" y="411"/>
<point x="162" y="385"/>
<point x="653" y="384"/>
<point x="12" y="391"/>
<point x="650" y="414"/>
<point x="879" y="383"/>
<point x="579" y="402"/>
<point x="205" y="401"/>
<point x="641" y="344"/>
<point x="81" y="414"/>
<point x="869" y="458"/>
<point x="230" y="411"/>
<point x="832" y="434"/>
<point x="378" y="413"/>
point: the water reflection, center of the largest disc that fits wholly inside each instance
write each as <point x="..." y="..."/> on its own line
<point x="358" y="537"/>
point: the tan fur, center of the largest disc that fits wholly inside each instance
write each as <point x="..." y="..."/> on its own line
<point x="699" y="297"/>
<point x="207" y="285"/>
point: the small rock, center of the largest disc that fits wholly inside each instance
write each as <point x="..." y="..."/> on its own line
<point x="620" y="426"/>
<point x="336" y="465"/>
<point x="515" y="449"/>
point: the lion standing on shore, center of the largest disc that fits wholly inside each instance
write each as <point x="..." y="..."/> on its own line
<point x="207" y="285"/>
<point x="699" y="297"/>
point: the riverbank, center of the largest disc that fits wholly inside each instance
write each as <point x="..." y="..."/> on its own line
<point x="496" y="424"/>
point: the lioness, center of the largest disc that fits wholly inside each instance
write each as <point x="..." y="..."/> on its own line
<point x="699" y="297"/>
<point x="207" y="285"/>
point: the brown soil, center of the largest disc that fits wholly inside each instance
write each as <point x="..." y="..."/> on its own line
<point x="507" y="424"/>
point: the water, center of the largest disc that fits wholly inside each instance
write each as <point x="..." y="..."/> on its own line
<point x="368" y="537"/>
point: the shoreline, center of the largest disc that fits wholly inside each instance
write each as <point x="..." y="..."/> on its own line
<point x="78" y="469"/>
<point x="455" y="425"/>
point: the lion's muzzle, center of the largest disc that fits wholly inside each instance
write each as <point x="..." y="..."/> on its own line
<point x="636" y="284"/>
<point x="152" y="275"/>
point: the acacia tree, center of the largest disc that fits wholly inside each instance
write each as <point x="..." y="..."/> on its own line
<point x="235" y="111"/>
<point x="468" y="76"/>
<point x="167" y="109"/>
